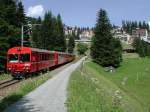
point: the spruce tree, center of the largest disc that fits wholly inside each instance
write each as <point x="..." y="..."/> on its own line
<point x="47" y="28"/>
<point x="55" y="35"/>
<point x="105" y="50"/>
<point x="50" y="35"/>
<point x="61" y="41"/>
<point x="141" y="47"/>
<point x="20" y="15"/>
<point x="36" y="34"/>
<point x="71" y="44"/>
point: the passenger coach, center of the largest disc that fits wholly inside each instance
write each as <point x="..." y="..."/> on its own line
<point x="23" y="61"/>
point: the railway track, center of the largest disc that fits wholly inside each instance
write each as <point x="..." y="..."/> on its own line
<point x="8" y="83"/>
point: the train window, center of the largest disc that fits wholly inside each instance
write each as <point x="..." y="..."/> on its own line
<point x="43" y="57"/>
<point x="40" y="57"/>
<point x="34" y="57"/>
<point x="13" y="58"/>
<point x="25" y="57"/>
<point x="47" y="55"/>
<point x="51" y="56"/>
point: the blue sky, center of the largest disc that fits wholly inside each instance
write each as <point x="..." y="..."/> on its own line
<point x="83" y="12"/>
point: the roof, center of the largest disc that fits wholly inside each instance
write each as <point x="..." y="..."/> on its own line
<point x="29" y="49"/>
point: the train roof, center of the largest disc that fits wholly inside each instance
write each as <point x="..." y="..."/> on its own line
<point x="15" y="49"/>
<point x="28" y="49"/>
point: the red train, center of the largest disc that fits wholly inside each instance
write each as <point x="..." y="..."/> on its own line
<point x="23" y="61"/>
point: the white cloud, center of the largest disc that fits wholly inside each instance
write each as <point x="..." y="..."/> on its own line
<point x="35" y="11"/>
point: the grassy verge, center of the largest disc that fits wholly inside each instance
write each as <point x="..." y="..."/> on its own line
<point x="133" y="78"/>
<point x="4" y="76"/>
<point x="130" y="55"/>
<point x="92" y="89"/>
<point x="86" y="96"/>
<point x="23" y="88"/>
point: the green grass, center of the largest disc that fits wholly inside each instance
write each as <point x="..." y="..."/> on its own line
<point x="133" y="78"/>
<point x="4" y="76"/>
<point x="87" y="96"/>
<point x="130" y="55"/>
<point x="23" y="88"/>
<point x="94" y="89"/>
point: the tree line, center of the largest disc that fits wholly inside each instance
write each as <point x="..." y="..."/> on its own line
<point x="49" y="33"/>
<point x="128" y="26"/>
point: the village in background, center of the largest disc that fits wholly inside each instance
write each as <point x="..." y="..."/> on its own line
<point x="86" y="34"/>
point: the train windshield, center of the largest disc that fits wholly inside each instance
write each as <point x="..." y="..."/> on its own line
<point x="13" y="58"/>
<point x="24" y="57"/>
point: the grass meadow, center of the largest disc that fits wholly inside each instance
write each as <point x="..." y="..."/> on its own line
<point x="127" y="89"/>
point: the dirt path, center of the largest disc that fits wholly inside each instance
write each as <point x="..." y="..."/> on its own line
<point x="49" y="97"/>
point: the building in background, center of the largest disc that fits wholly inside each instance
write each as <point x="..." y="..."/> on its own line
<point x="140" y="33"/>
<point x="87" y="34"/>
<point x="122" y="35"/>
<point x="83" y="33"/>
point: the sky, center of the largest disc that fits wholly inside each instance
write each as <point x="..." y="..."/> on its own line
<point x="83" y="13"/>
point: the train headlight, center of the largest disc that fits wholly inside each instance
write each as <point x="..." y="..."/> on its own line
<point x="27" y="65"/>
<point x="26" y="69"/>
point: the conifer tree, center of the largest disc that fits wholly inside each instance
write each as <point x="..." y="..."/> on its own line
<point x="105" y="50"/>
<point x="50" y="35"/>
<point x="61" y="41"/>
<point x="46" y="31"/>
<point x="36" y="34"/>
<point x="20" y="15"/>
<point x="9" y="30"/>
<point x="71" y="44"/>
<point x="55" y="35"/>
<point x="142" y="47"/>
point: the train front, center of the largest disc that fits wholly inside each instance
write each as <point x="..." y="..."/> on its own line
<point x="18" y="61"/>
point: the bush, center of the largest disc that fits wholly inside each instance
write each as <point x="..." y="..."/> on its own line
<point x="82" y="48"/>
<point x="142" y="47"/>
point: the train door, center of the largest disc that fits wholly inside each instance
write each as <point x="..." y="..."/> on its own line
<point x="56" y="58"/>
<point x="37" y="61"/>
<point x="33" y="61"/>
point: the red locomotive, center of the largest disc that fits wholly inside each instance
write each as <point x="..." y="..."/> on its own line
<point x="23" y="61"/>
